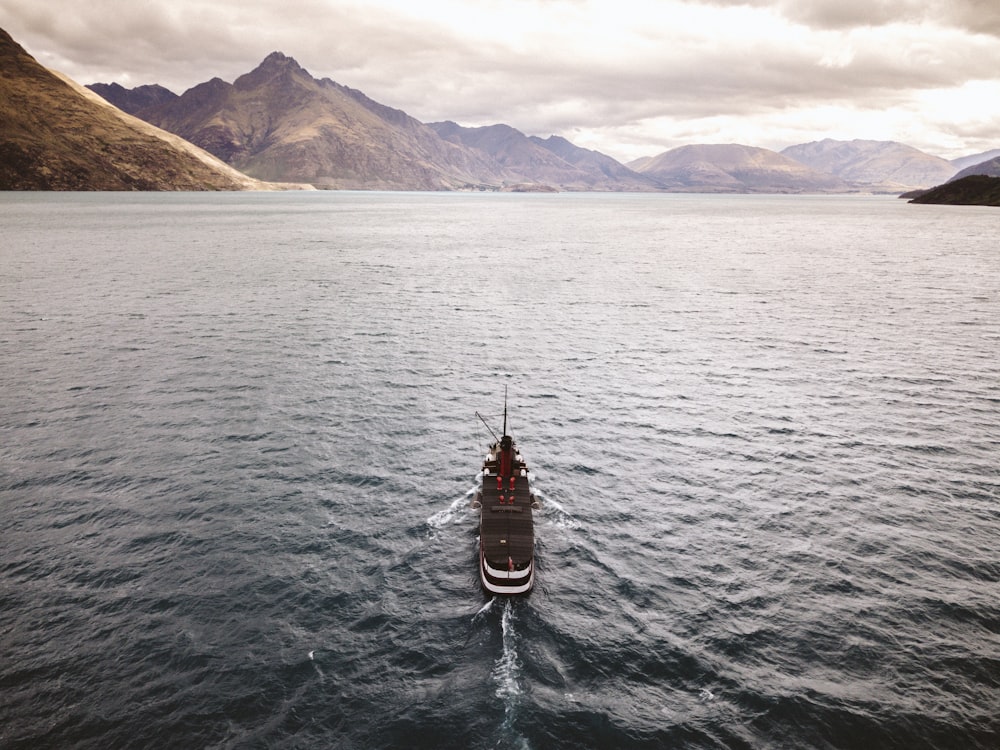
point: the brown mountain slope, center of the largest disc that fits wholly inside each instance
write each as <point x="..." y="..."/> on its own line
<point x="55" y="135"/>
<point x="279" y="123"/>
<point x="604" y="172"/>
<point x="880" y="166"/>
<point x="990" y="168"/>
<point x="973" y="159"/>
<point x="553" y="161"/>
<point x="732" y="168"/>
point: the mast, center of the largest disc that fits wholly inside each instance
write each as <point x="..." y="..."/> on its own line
<point x="506" y="467"/>
<point x="505" y="410"/>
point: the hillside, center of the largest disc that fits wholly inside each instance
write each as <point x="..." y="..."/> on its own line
<point x="732" y="168"/>
<point x="553" y="161"/>
<point x="56" y="135"/>
<point x="974" y="159"/>
<point x="879" y="166"/>
<point x="974" y="190"/>
<point x="606" y="173"/>
<point x="279" y="123"/>
<point x="990" y="168"/>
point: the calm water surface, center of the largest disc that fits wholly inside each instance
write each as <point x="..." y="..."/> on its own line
<point x="239" y="445"/>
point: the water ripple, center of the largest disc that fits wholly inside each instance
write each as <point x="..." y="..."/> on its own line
<point x="239" y="435"/>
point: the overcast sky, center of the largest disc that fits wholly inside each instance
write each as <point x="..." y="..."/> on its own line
<point x="630" y="78"/>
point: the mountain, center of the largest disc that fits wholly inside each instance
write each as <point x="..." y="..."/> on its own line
<point x="132" y="100"/>
<point x="57" y="135"/>
<point x="637" y="165"/>
<point x="732" y="168"/>
<point x="279" y="123"/>
<point x="970" y="161"/>
<point x="973" y="190"/>
<point x="990" y="168"/>
<point x="607" y="173"/>
<point x="522" y="160"/>
<point x="879" y="166"/>
<point x="551" y="161"/>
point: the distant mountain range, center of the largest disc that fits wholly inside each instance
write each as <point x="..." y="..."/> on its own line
<point x="974" y="159"/>
<point x="553" y="161"/>
<point x="278" y="124"/>
<point x="56" y="135"/>
<point x="990" y="168"/>
<point x="732" y="168"/>
<point x="880" y="166"/>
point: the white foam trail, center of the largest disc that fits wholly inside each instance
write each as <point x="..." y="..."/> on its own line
<point x="484" y="609"/>
<point x="507" y="676"/>
<point x="546" y="500"/>
<point x="455" y="512"/>
<point x="560" y="516"/>
<point x="312" y="658"/>
<point x="507" y="670"/>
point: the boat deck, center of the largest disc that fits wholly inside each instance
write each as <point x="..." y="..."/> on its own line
<point x="507" y="531"/>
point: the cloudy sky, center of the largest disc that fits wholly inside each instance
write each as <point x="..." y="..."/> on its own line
<point x="630" y="78"/>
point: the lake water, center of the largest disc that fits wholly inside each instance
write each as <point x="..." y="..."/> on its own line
<point x="239" y="445"/>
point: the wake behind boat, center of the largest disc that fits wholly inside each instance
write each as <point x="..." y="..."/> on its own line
<point x="506" y="526"/>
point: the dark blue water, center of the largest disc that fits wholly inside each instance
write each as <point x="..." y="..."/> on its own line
<point x="239" y="444"/>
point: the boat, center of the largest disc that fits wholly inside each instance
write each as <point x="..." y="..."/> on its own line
<point x="506" y="527"/>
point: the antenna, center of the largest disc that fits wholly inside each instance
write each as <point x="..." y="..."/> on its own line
<point x="487" y="427"/>
<point x="505" y="410"/>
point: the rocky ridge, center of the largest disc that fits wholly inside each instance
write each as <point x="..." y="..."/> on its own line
<point x="132" y="100"/>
